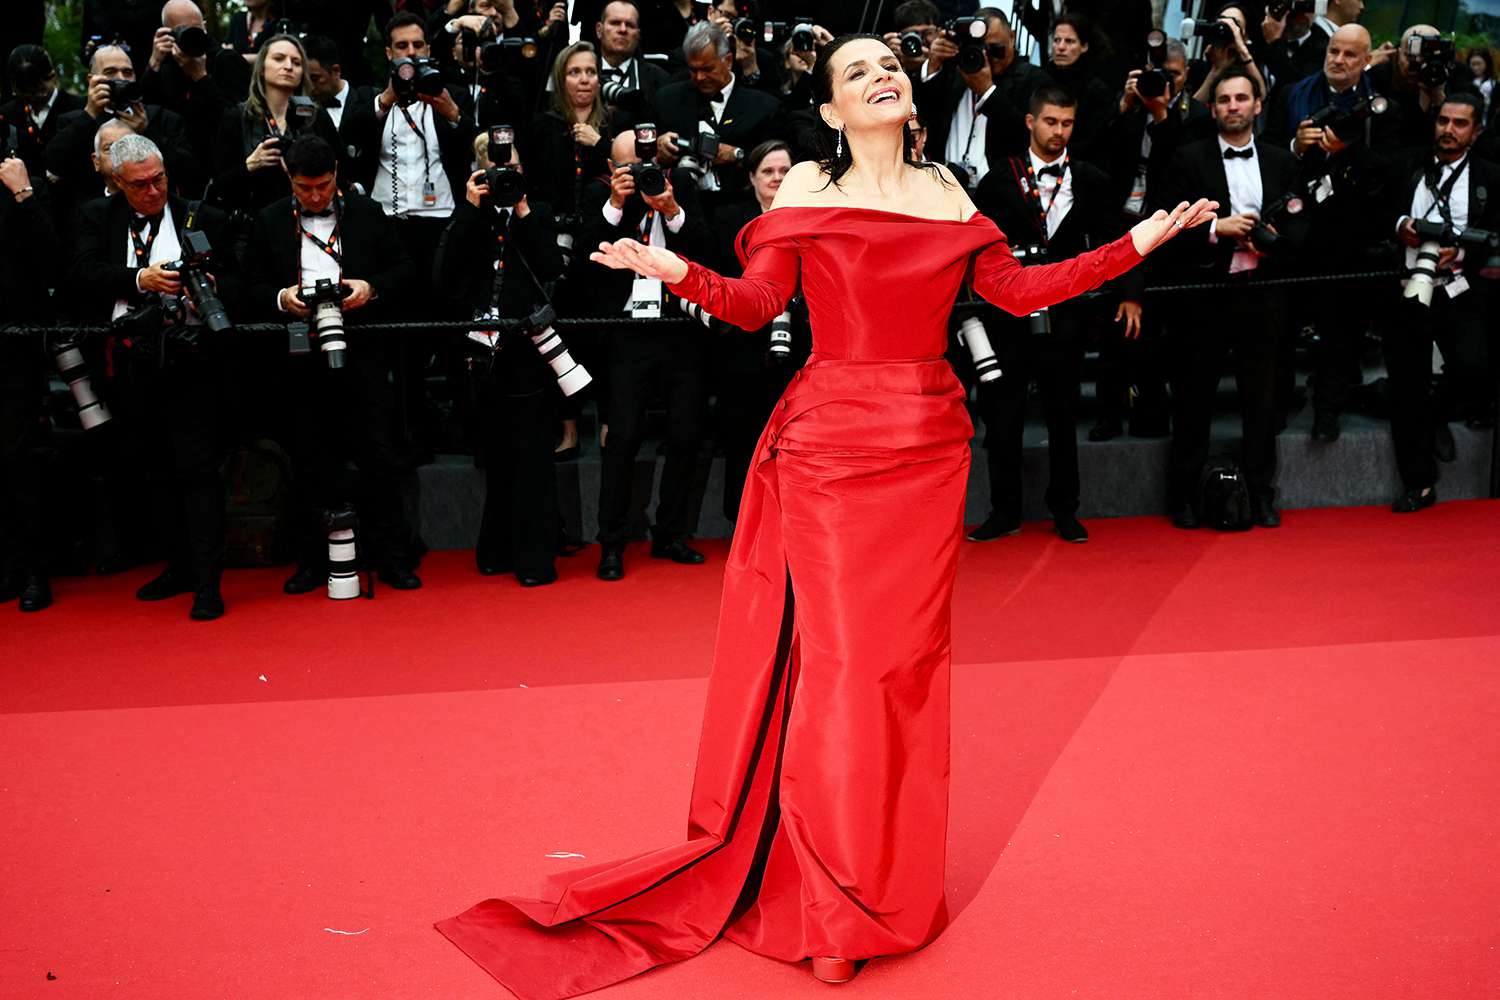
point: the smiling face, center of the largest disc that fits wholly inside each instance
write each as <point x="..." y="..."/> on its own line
<point x="283" y="67"/>
<point x="870" y="89"/>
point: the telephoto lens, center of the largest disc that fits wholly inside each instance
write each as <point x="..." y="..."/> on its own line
<point x="325" y="299"/>
<point x="73" y="368"/>
<point x="343" y="553"/>
<point x="192" y="41"/>
<point x="694" y="311"/>
<point x="779" y="345"/>
<point x="802" y="37"/>
<point x="972" y="334"/>
<point x="1419" y="284"/>
<point x="911" y="44"/>
<point x="572" y="378"/>
<point x="1039" y="322"/>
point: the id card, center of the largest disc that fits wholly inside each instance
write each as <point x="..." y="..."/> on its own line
<point x="645" y="298"/>
<point x="1456" y="287"/>
<point x="1136" y="203"/>
<point x="429" y="195"/>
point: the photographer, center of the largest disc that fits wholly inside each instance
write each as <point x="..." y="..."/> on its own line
<point x="178" y="74"/>
<point x="978" y="116"/>
<point x="1072" y="69"/>
<point x="1230" y="49"/>
<point x="329" y="414"/>
<point x="1051" y="207"/>
<point x="755" y="65"/>
<point x="494" y="260"/>
<point x="1248" y="178"/>
<point x="111" y="97"/>
<point x="1453" y="191"/>
<point x="568" y="144"/>
<point x="629" y="78"/>
<point x="39" y="104"/>
<point x="643" y="358"/>
<point x="1422" y="73"/>
<point x="253" y="135"/>
<point x="325" y="79"/>
<point x="713" y="101"/>
<point x="30" y="259"/>
<point x="1343" y="165"/>
<point x="176" y="369"/>
<point x="914" y="17"/>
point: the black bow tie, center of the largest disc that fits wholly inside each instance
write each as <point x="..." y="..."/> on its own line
<point x="327" y="213"/>
<point x="1055" y="169"/>
<point x="335" y="103"/>
<point x="139" y="222"/>
<point x="1239" y="154"/>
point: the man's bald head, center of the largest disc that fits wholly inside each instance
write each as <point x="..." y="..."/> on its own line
<point x="1347" y="57"/>
<point x="622" y="150"/>
<point x="176" y="13"/>
<point x="111" y="61"/>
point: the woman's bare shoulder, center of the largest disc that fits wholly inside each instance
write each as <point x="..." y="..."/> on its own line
<point x="950" y="192"/>
<point x="805" y="184"/>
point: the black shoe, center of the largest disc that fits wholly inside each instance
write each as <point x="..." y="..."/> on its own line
<point x="678" y="551"/>
<point x="1325" y="426"/>
<point x="304" y="581"/>
<point x="399" y="578"/>
<point x="1070" y="529"/>
<point x="1106" y="429"/>
<point x="612" y="562"/>
<point x="994" y="527"/>
<point x="1443" y="447"/>
<point x="1185" y="517"/>
<point x="1414" y="500"/>
<point x="1263" y="512"/>
<point x="169" y="584"/>
<point x="36" y="593"/>
<point x="207" y="604"/>
<point x="536" y="580"/>
<point x="490" y="565"/>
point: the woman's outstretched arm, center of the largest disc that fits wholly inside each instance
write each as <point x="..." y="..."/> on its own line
<point x="1001" y="279"/>
<point x="748" y="303"/>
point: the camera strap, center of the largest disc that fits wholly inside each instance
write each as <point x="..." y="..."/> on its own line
<point x="499" y="280"/>
<point x="329" y="246"/>
<point x="1441" y="194"/>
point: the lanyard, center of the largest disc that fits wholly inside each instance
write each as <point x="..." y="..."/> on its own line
<point x="646" y="221"/>
<point x="1032" y="190"/>
<point x="421" y="134"/>
<point x="503" y="223"/>
<point x="975" y="103"/>
<point x="1442" y="193"/>
<point x="329" y="246"/>
<point x="143" y="243"/>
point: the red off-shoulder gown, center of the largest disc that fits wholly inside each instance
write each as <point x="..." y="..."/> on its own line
<point x="818" y="818"/>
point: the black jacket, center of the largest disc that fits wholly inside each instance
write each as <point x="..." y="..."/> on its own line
<point x="69" y="155"/>
<point x="201" y="103"/>
<point x="463" y="270"/>
<point x="1198" y="172"/>
<point x="31" y="147"/>
<point x="1482" y="178"/>
<point x="750" y="117"/>
<point x="648" y="78"/>
<point x="1005" y="131"/>
<point x="548" y="157"/>
<point x="239" y="134"/>
<point x="363" y="130"/>
<point x="1093" y="220"/>
<point x="610" y="289"/>
<point x="1119" y="150"/>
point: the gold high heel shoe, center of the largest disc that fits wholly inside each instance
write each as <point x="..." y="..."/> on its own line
<point x="834" y="970"/>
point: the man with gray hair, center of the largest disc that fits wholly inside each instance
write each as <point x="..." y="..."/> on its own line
<point x="713" y="102"/>
<point x="174" y="379"/>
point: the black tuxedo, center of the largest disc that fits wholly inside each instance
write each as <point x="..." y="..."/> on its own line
<point x="201" y="103"/>
<point x="647" y="79"/>
<point x="69" y="156"/>
<point x="174" y="415"/>
<point x="610" y="289"/>
<point x="31" y="146"/>
<point x="1005" y="112"/>
<point x="363" y="129"/>
<point x="750" y="117"/>
<point x="1206" y="327"/>
<point x="325" y="417"/>
<point x="516" y="404"/>
<point x="1461" y="326"/>
<point x="1055" y="359"/>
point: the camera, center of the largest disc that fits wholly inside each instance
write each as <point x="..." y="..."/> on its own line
<point x="124" y="94"/>
<point x="779" y="343"/>
<point x="192" y="40"/>
<point x="696" y="153"/>
<point x="1264" y="236"/>
<point x="1337" y="120"/>
<point x="192" y="268"/>
<point x="413" y="77"/>
<point x="1153" y="83"/>
<point x="619" y="93"/>
<point x="801" y="35"/>
<point x="912" y="44"/>
<point x="341" y="525"/>
<point x="1431" y="56"/>
<point x="506" y="183"/>
<point x="1438" y="236"/>
<point x="572" y="378"/>
<point x="505" y="54"/>
<point x="1216" y="34"/>
<point x="301" y="112"/>
<point x="569" y="225"/>
<point x="694" y="311"/>
<point x="1281" y="8"/>
<point x="971" y="334"/>
<point x="969" y="34"/>
<point x="1030" y="255"/>
<point x="325" y="300"/>
<point x="650" y="179"/>
<point x="73" y="368"/>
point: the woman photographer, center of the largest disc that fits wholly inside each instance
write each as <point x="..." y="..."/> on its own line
<point x="247" y="166"/>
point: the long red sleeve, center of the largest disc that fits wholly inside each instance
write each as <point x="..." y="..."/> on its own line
<point x="749" y="302"/>
<point x="1020" y="291"/>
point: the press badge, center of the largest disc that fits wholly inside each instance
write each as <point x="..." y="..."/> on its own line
<point x="1456" y="287"/>
<point x="645" y="298"/>
<point x="429" y="195"/>
<point x="1136" y="203"/>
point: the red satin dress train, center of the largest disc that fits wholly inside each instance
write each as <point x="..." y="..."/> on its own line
<point x="817" y="824"/>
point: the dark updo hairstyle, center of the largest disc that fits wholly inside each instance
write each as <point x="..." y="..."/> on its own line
<point x="825" y="139"/>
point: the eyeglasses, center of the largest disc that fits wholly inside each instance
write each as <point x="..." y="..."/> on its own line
<point x="145" y="183"/>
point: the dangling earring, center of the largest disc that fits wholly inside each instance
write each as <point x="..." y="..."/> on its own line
<point x="839" y="152"/>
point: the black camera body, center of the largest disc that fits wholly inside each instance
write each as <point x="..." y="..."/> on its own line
<point x="192" y="269"/>
<point x="1281" y="8"/>
<point x="192" y="40"/>
<point x="1338" y="121"/>
<point x="413" y="77"/>
<point x="506" y="54"/>
<point x="1153" y="83"/>
<point x="1265" y="237"/>
<point x="1432" y="56"/>
<point x="620" y="94"/>
<point x="124" y="94"/>
<point x="507" y="185"/>
<point x="650" y="179"/>
<point x="301" y="112"/>
<point x="968" y="33"/>
<point x="1216" y="34"/>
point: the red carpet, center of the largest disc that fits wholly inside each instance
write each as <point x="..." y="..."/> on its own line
<point x="1186" y="765"/>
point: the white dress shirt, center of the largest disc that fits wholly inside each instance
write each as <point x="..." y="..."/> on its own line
<point x="710" y="180"/>
<point x="165" y="247"/>
<point x="658" y="234"/>
<point x="1245" y="195"/>
<point x="408" y="164"/>
<point x="1056" y="194"/>
<point x="967" y="132"/>
<point x="626" y="70"/>
<point x="40" y="115"/>
<point x="1424" y="203"/>
<point x="336" y="112"/>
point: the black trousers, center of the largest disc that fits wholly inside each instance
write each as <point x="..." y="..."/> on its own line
<point x="516" y="414"/>
<point x="640" y="361"/>
<point x="1138" y="364"/>
<point x="22" y="434"/>
<point x="1458" y="327"/>
<point x="412" y="356"/>
<point x="334" y="419"/>
<point x="1341" y="314"/>
<point x="1055" y="361"/>
<point x="1205" y="332"/>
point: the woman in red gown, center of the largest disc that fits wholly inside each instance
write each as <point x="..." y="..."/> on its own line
<point x="817" y="822"/>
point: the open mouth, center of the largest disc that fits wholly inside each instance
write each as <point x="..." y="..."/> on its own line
<point x="884" y="96"/>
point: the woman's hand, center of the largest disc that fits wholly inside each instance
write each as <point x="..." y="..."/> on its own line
<point x="585" y="134"/>
<point x="648" y="262"/>
<point x="1148" y="234"/>
<point x="265" y="156"/>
